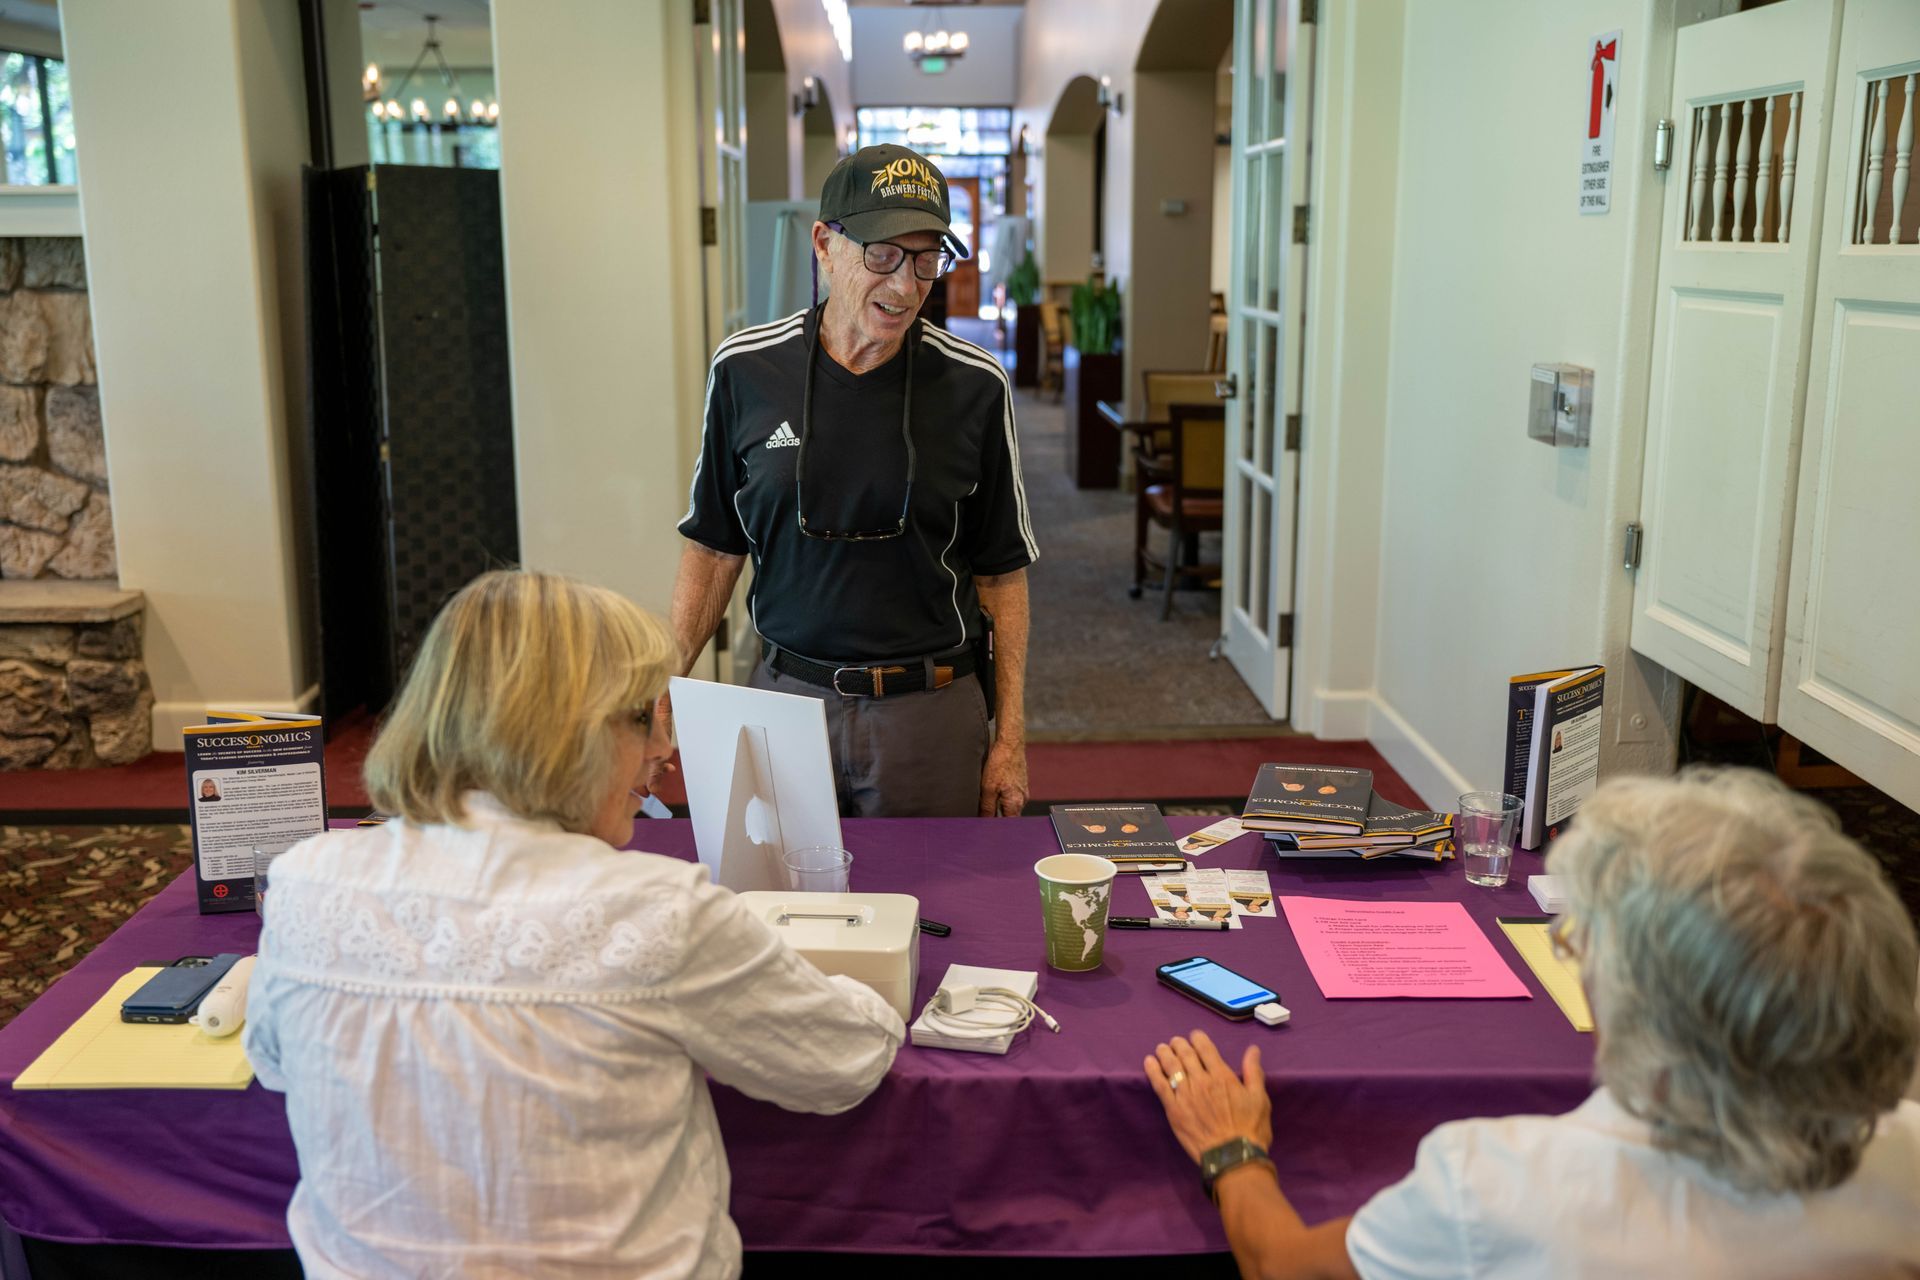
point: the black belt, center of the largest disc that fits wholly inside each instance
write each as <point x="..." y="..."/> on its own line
<point x="878" y="681"/>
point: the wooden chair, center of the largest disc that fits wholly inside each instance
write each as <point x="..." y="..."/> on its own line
<point x="1160" y="391"/>
<point x="1190" y="500"/>
<point x="1217" y="342"/>
<point x="1056" y="331"/>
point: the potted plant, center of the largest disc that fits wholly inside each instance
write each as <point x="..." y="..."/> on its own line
<point x="1023" y="291"/>
<point x="1094" y="372"/>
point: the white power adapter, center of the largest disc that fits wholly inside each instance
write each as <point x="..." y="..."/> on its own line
<point x="964" y="1011"/>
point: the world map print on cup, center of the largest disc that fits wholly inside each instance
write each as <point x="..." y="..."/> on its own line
<point x="1074" y="891"/>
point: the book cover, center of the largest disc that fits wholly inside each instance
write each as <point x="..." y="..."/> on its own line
<point x="1122" y="833"/>
<point x="1285" y="845"/>
<point x="253" y="779"/>
<point x="1389" y="825"/>
<point x="1519" y="746"/>
<point x="1563" y="765"/>
<point x="1302" y="798"/>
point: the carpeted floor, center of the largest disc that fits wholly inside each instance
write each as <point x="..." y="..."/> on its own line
<point x="1102" y="666"/>
<point x="63" y="889"/>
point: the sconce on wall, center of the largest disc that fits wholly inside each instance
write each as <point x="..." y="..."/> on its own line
<point x="808" y="97"/>
<point x="1109" y="98"/>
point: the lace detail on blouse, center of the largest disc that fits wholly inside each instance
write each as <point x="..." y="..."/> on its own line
<point x="328" y="932"/>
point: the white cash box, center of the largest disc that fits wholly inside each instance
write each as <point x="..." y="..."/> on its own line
<point x="871" y="937"/>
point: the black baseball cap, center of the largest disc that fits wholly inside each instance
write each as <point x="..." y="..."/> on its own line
<point x="881" y="192"/>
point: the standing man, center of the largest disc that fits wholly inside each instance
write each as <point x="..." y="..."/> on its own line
<point x="867" y="462"/>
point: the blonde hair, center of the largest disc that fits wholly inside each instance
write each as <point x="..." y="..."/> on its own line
<point x="1752" y="973"/>
<point x="514" y="692"/>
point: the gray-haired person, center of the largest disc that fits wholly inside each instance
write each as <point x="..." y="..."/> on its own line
<point x="1753" y="978"/>
<point x="866" y="462"/>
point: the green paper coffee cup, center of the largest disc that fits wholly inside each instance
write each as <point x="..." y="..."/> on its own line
<point x="1074" y="891"/>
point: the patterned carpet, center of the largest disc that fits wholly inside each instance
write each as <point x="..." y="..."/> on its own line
<point x="63" y="889"/>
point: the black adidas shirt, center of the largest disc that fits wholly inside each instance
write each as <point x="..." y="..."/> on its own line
<point x="861" y="602"/>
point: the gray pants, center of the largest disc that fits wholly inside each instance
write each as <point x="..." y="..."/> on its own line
<point x="910" y="755"/>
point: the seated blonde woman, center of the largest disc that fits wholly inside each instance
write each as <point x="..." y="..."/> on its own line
<point x="1752" y="976"/>
<point x="493" y="1026"/>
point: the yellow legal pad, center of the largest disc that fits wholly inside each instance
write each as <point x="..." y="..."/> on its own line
<point x="101" y="1052"/>
<point x="1561" y="977"/>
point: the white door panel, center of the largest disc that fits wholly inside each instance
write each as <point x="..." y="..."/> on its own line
<point x="1730" y="347"/>
<point x="1850" y="685"/>
<point x="1273" y="92"/>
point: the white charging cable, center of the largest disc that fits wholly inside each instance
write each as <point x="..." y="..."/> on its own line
<point x="966" y="1012"/>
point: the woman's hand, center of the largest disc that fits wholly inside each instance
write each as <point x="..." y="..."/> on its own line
<point x="1210" y="1105"/>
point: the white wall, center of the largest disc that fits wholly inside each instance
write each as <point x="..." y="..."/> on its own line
<point x="986" y="77"/>
<point x="1173" y="253"/>
<point x="1065" y="238"/>
<point x="807" y="43"/>
<point x="1498" y="555"/>
<point x="769" y="159"/>
<point x="1061" y="39"/>
<point x="193" y="271"/>
<point x="603" y="291"/>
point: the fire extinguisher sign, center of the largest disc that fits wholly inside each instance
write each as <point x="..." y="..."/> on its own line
<point x="1596" y="147"/>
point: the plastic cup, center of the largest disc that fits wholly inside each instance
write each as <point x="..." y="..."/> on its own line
<point x="1485" y="829"/>
<point x="818" y="868"/>
<point x="1074" y="891"/>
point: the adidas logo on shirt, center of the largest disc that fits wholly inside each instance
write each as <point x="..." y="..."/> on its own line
<point x="783" y="438"/>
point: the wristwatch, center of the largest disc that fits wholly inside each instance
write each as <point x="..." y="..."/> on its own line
<point x="1229" y="1155"/>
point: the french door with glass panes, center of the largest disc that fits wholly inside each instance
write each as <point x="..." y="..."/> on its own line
<point x="720" y="55"/>
<point x="1272" y="93"/>
<point x="721" y="116"/>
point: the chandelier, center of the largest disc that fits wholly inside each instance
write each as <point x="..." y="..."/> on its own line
<point x="416" y="113"/>
<point x="933" y="50"/>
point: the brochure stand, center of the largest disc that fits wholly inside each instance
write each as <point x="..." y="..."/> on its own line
<point x="759" y="779"/>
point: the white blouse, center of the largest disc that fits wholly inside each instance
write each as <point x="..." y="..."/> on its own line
<point x="1588" y="1195"/>
<point x="494" y="1041"/>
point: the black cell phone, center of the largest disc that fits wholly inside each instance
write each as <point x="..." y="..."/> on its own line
<point x="172" y="995"/>
<point x="1229" y="994"/>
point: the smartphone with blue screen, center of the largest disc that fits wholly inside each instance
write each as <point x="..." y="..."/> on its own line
<point x="1229" y="994"/>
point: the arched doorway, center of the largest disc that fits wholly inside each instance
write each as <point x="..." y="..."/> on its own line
<point x="1071" y="175"/>
<point x="819" y="146"/>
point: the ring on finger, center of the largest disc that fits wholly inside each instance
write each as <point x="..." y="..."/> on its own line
<point x="1175" y="1080"/>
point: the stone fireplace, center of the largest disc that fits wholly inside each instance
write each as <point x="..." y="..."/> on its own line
<point x="54" y="518"/>
<point x="73" y="690"/>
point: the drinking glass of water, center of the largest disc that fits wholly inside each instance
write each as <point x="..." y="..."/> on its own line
<point x="1485" y="829"/>
<point x="818" y="868"/>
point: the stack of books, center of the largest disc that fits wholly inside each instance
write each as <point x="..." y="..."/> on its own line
<point x="1134" y="837"/>
<point x="1310" y="811"/>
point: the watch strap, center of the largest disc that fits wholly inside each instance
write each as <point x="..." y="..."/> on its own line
<point x="1217" y="1161"/>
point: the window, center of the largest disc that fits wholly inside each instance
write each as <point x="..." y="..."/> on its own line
<point x="939" y="131"/>
<point x="36" y="120"/>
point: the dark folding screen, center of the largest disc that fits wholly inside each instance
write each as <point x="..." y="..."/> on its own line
<point x="412" y="429"/>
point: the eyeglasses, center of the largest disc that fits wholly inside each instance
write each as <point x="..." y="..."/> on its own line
<point x="814" y="528"/>
<point x="883" y="257"/>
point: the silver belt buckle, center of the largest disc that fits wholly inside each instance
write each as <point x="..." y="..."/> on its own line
<point x="847" y="693"/>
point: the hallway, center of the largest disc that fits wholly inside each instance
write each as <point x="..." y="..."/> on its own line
<point x="1102" y="666"/>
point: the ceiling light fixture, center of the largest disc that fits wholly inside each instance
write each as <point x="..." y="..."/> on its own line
<point x="931" y="51"/>
<point x="416" y="114"/>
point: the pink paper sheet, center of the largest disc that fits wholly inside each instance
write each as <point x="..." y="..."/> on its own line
<point x="1360" y="950"/>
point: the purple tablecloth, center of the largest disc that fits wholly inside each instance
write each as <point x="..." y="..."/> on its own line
<point x="1059" y="1147"/>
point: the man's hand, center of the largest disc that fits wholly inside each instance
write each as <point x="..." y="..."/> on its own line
<point x="1211" y="1105"/>
<point x="663" y="717"/>
<point x="1003" y="781"/>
